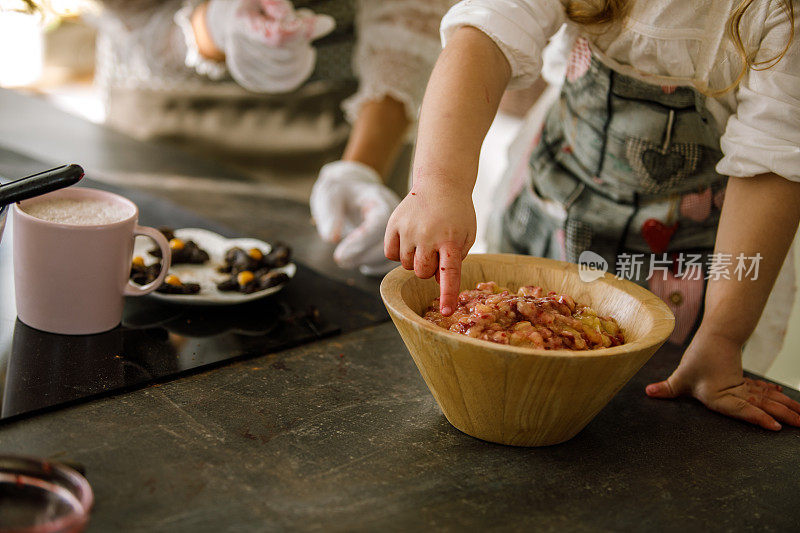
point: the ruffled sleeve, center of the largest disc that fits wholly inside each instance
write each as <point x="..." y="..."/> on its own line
<point x="520" y="28"/>
<point x="139" y="43"/>
<point x="763" y="135"/>
<point x="397" y="45"/>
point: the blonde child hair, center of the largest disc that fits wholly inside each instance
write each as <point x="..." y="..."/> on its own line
<point x="600" y="13"/>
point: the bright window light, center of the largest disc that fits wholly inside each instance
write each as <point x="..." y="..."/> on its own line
<point x="21" y="46"/>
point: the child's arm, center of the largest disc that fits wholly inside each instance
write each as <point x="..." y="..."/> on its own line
<point x="760" y="215"/>
<point x="433" y="228"/>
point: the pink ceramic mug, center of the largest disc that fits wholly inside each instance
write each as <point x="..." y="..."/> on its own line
<point x="70" y="278"/>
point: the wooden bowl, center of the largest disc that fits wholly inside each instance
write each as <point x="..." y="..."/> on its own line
<point x="524" y="396"/>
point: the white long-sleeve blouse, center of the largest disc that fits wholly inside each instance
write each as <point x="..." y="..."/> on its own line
<point x="675" y="42"/>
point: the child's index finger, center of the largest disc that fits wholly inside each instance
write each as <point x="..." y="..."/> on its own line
<point x="449" y="277"/>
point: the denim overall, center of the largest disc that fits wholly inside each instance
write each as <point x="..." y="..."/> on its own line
<point x="623" y="167"/>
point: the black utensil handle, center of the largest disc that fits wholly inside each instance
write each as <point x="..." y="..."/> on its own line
<point x="41" y="183"/>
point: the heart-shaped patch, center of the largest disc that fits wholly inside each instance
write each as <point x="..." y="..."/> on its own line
<point x="659" y="169"/>
<point x="657" y="234"/>
<point x="696" y="206"/>
<point x="683" y="296"/>
<point x="661" y="165"/>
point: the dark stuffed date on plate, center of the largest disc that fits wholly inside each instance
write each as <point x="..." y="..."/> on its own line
<point x="225" y="278"/>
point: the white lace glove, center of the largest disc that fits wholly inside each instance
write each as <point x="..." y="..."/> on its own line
<point x="352" y="207"/>
<point x="267" y="43"/>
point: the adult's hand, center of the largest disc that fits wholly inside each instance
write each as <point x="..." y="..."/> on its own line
<point x="351" y="207"/>
<point x="266" y="44"/>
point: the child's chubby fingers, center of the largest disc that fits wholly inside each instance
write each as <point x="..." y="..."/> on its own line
<point x="777" y="404"/>
<point x="407" y="253"/>
<point x="672" y="387"/>
<point x="784" y="400"/>
<point x="426" y="262"/>
<point x="736" y="407"/>
<point x="391" y="244"/>
<point x="449" y="277"/>
<point x="780" y="412"/>
<point x="767" y="384"/>
<point x="662" y="389"/>
<point x="468" y="245"/>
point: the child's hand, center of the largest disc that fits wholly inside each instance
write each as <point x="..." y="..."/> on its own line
<point x="430" y="232"/>
<point x="433" y="228"/>
<point x="711" y="371"/>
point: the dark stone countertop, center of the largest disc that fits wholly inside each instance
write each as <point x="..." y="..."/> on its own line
<point x="343" y="435"/>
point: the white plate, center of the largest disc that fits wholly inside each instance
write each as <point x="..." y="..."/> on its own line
<point x="207" y="274"/>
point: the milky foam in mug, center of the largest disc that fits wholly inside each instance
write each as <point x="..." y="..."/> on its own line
<point x="84" y="212"/>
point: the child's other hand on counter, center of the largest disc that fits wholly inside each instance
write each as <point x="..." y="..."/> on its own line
<point x="711" y="371"/>
<point x="431" y="232"/>
<point x="760" y="216"/>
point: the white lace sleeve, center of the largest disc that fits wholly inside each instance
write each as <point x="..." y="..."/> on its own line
<point x="140" y="44"/>
<point x="520" y="28"/>
<point x="216" y="70"/>
<point x="397" y="45"/>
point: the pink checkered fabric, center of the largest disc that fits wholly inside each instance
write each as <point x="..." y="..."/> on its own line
<point x="697" y="205"/>
<point x="683" y="296"/>
<point x="579" y="59"/>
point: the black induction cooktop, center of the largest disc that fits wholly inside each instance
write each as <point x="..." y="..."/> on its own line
<point x="159" y="341"/>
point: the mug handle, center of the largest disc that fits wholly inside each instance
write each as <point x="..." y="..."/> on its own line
<point x="166" y="256"/>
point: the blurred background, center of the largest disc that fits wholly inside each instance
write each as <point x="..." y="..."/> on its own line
<point x="50" y="53"/>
